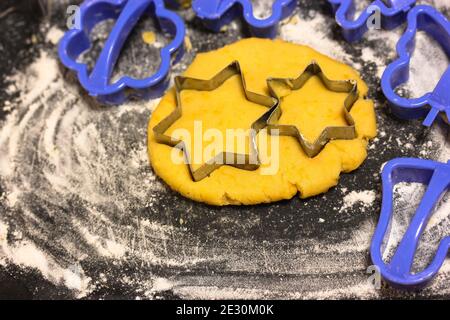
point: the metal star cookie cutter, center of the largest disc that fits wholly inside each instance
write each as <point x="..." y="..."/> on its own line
<point x="430" y="105"/>
<point x="217" y="13"/>
<point x="241" y="161"/>
<point x="127" y="13"/>
<point x="398" y="272"/>
<point x="329" y="133"/>
<point x="393" y="13"/>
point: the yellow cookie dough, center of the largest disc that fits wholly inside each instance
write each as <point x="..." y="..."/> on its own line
<point x="311" y="109"/>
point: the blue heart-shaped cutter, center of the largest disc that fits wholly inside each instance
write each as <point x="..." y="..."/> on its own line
<point x="428" y="19"/>
<point x="217" y="13"/>
<point x="127" y="13"/>
<point x="398" y="271"/>
<point x="354" y="29"/>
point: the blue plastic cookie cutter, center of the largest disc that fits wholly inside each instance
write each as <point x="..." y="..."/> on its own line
<point x="393" y="13"/>
<point x="217" y="13"/>
<point x="428" y="19"/>
<point x="126" y="13"/>
<point x="398" y="271"/>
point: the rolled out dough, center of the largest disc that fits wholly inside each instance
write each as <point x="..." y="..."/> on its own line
<point x="311" y="109"/>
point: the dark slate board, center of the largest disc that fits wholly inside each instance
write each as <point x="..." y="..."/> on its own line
<point x="278" y="250"/>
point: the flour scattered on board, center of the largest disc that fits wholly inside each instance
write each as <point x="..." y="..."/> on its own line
<point x="54" y="35"/>
<point x="314" y="33"/>
<point x="53" y="147"/>
<point x="25" y="253"/>
<point x="262" y="9"/>
<point x="364" y="198"/>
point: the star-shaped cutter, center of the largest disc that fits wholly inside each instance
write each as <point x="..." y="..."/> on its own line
<point x="241" y="161"/>
<point x="329" y="133"/>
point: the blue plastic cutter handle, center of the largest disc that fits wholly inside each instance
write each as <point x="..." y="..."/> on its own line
<point x="398" y="270"/>
<point x="428" y="19"/>
<point x="217" y="13"/>
<point x="392" y="14"/>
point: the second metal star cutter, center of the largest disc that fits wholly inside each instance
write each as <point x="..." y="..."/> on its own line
<point x="346" y="132"/>
<point x="241" y="161"/>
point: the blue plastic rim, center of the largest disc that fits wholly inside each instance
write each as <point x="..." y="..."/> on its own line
<point x="430" y="105"/>
<point x="126" y="13"/>
<point x="398" y="271"/>
<point x="393" y="14"/>
<point x="217" y="13"/>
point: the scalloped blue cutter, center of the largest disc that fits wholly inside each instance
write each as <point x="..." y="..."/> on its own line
<point x="393" y="13"/>
<point x="398" y="271"/>
<point x="428" y="19"/>
<point x="217" y="13"/>
<point x="126" y="13"/>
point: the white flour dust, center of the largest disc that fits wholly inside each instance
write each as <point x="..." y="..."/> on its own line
<point x="262" y="9"/>
<point x="54" y="35"/>
<point x="314" y="33"/>
<point x="54" y="146"/>
<point x="25" y="253"/>
<point x="364" y="198"/>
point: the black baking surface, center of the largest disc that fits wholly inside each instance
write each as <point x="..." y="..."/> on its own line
<point x="277" y="236"/>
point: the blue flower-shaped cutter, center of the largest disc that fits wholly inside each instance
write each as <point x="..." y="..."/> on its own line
<point x="398" y="271"/>
<point x="428" y="19"/>
<point x="126" y="13"/>
<point x="217" y="13"/>
<point x="393" y="14"/>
